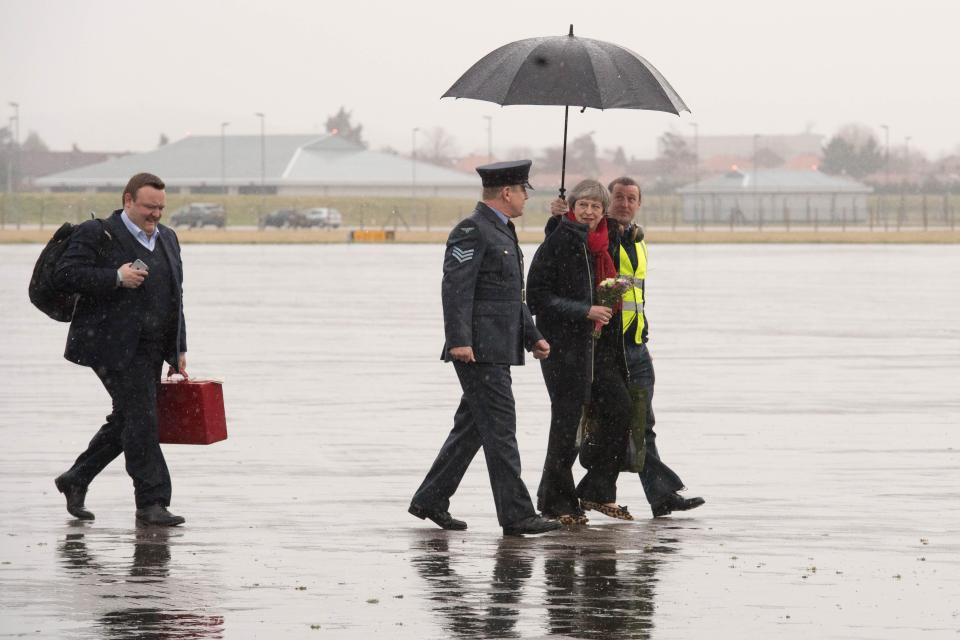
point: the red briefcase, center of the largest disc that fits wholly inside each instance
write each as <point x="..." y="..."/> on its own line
<point x="191" y="412"/>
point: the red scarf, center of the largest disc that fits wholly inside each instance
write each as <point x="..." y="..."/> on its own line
<point x="598" y="242"/>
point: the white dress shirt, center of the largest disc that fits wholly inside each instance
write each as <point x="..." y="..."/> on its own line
<point x="150" y="242"/>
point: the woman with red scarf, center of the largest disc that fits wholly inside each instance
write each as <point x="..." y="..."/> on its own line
<point x="563" y="276"/>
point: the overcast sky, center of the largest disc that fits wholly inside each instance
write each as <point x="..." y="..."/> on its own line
<point x="114" y="74"/>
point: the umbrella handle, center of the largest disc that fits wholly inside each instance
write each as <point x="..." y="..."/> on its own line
<point x="563" y="161"/>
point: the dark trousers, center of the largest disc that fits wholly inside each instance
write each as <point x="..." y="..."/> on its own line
<point x="131" y="429"/>
<point x="657" y="478"/>
<point x="485" y="418"/>
<point x="557" y="494"/>
<point x="603" y="451"/>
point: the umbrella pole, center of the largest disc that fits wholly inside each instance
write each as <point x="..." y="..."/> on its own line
<point x="563" y="161"/>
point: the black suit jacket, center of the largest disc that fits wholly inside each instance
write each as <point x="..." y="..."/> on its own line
<point x="483" y="297"/>
<point x="107" y="320"/>
<point x="560" y="293"/>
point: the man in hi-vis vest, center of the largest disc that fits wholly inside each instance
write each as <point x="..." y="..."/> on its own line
<point x="629" y="252"/>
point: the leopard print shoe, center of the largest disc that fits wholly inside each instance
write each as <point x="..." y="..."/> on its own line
<point x="569" y="519"/>
<point x="619" y="512"/>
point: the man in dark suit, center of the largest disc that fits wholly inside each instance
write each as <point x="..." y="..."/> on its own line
<point x="487" y="325"/>
<point x="127" y="322"/>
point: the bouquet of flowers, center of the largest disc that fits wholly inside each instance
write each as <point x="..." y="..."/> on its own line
<point x="610" y="294"/>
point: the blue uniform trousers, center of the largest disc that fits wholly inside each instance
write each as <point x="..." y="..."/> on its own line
<point x="485" y="418"/>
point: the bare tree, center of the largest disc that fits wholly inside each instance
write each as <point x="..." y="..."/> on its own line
<point x="34" y="143"/>
<point x="6" y="149"/>
<point x="853" y="150"/>
<point x="768" y="159"/>
<point x="675" y="158"/>
<point x="340" y="124"/>
<point x="439" y="147"/>
<point x="617" y="156"/>
<point x="583" y="155"/>
<point x="550" y="159"/>
<point x="520" y="152"/>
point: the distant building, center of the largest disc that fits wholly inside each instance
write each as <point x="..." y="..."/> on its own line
<point x="291" y="165"/>
<point x="36" y="163"/>
<point x="719" y="153"/>
<point x="775" y="196"/>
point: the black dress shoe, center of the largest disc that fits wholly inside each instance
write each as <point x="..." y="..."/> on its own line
<point x="531" y="525"/>
<point x="157" y="515"/>
<point x="442" y="519"/>
<point x="675" y="502"/>
<point x="75" y="495"/>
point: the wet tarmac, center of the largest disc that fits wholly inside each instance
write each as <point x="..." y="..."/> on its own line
<point x="810" y="393"/>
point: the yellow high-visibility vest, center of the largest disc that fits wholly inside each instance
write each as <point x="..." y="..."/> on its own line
<point x="633" y="298"/>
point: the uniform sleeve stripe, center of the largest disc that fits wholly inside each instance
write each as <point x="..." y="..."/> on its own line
<point x="462" y="255"/>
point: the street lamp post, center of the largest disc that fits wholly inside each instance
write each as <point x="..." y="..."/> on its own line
<point x="696" y="174"/>
<point x="14" y="139"/>
<point x="908" y="174"/>
<point x="10" y="156"/>
<point x="906" y="157"/>
<point x="756" y="197"/>
<point x="14" y="149"/>
<point x="489" y="120"/>
<point x="263" y="151"/>
<point x="413" y="162"/>
<point x="886" y="170"/>
<point x="223" y="157"/>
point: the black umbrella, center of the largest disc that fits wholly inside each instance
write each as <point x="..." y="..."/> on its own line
<point x="567" y="71"/>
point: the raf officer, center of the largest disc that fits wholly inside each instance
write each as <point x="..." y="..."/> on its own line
<point x="487" y="325"/>
<point x="128" y="321"/>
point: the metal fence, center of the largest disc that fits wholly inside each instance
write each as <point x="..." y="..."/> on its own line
<point x="887" y="212"/>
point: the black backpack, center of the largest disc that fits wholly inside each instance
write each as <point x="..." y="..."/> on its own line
<point x="44" y="294"/>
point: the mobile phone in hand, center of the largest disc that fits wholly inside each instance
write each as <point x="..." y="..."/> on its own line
<point x="141" y="265"/>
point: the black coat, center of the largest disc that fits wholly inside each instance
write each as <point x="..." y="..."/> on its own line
<point x="482" y="291"/>
<point x="107" y="321"/>
<point x="560" y="294"/>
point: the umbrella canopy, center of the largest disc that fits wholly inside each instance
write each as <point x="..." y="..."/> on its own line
<point x="567" y="71"/>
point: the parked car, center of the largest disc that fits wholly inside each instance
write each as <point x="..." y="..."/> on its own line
<point x="324" y="217"/>
<point x="199" y="214"/>
<point x="284" y="218"/>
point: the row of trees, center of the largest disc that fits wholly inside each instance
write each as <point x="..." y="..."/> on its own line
<point x="438" y="146"/>
<point x="854" y="151"/>
<point x="10" y="165"/>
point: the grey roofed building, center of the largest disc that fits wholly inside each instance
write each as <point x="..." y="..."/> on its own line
<point x="775" y="195"/>
<point x="294" y="165"/>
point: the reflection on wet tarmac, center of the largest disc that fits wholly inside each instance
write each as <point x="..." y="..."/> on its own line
<point x="825" y="518"/>
<point x="589" y="585"/>
<point x="156" y="624"/>
<point x="491" y="613"/>
<point x="144" y="580"/>
<point x="593" y="594"/>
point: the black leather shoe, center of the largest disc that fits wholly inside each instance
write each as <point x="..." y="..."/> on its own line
<point x="675" y="502"/>
<point x="531" y="526"/>
<point x="442" y="519"/>
<point x="157" y="514"/>
<point x="75" y="495"/>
